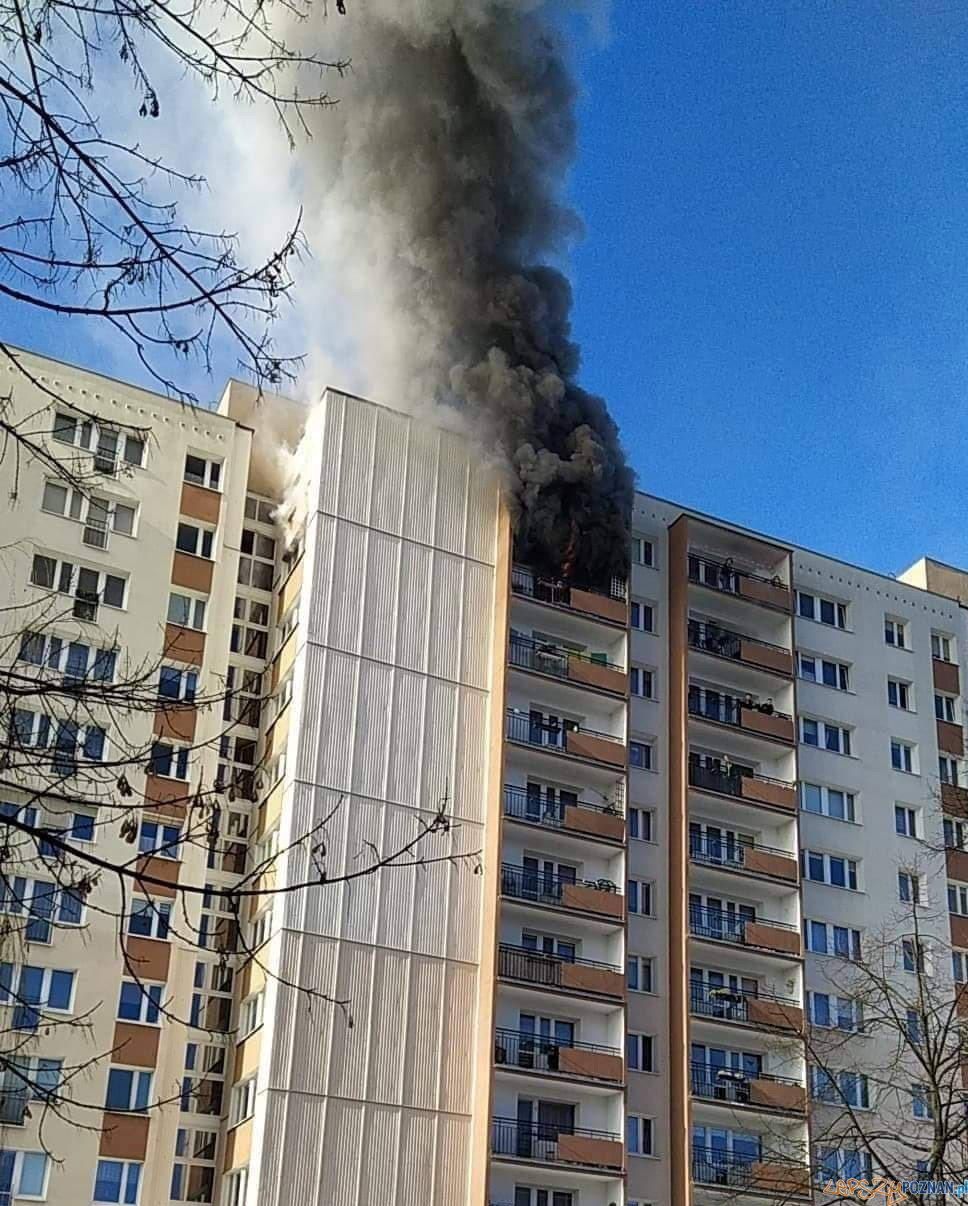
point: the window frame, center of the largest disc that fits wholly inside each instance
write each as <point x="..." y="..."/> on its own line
<point x="907" y="753"/>
<point x="643" y="892"/>
<point x="643" y="1043"/>
<point x="645" y="1126"/>
<point x="839" y="610"/>
<point x="641" y="962"/>
<point x="850" y="802"/>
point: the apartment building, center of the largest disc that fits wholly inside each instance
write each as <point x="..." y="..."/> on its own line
<point x="656" y="820"/>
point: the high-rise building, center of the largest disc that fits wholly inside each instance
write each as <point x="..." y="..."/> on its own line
<point x="636" y="832"/>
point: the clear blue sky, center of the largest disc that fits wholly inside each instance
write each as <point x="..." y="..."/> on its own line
<point x="772" y="291"/>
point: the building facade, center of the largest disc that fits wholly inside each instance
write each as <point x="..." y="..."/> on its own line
<point x="635" y="833"/>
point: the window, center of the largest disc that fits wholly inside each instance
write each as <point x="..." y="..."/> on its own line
<point x="243" y="1101"/>
<point x="913" y="1027"/>
<point x="820" y="670"/>
<point x="22" y="1175"/>
<point x="258" y="509"/>
<point x="140" y="1002"/>
<point x="909" y="888"/>
<point x="234" y="1185"/>
<point x="177" y="684"/>
<point x="117" y="1181"/>
<point x="42" y="903"/>
<point x="640" y="897"/>
<point x="899" y="694"/>
<point x="640" y="755"/>
<point x="833" y="1012"/>
<point x="958" y="899"/>
<point x="258" y="561"/>
<point x="99" y="515"/>
<point x="32" y="989"/>
<point x="905" y="821"/>
<point x="73" y="659"/>
<point x="129" y="1090"/>
<point x="830" y="869"/>
<point x="640" y="823"/>
<point x="639" y="973"/>
<point x="843" y="1163"/>
<point x="639" y="1135"/>
<point x="159" y="839"/>
<point x="642" y="551"/>
<point x="914" y="956"/>
<point x="106" y="442"/>
<point x="23" y="1080"/>
<point x="642" y="682"/>
<point x="642" y="615"/>
<point x="824" y="611"/>
<point x="824" y="735"/>
<point x="250" y="1014"/>
<point x="959" y="966"/>
<point x="149" y="919"/>
<point x="955" y="833"/>
<point x="202" y="472"/>
<point x="895" y="632"/>
<point x="948" y="770"/>
<point x="169" y="761"/>
<point x="66" y="740"/>
<point x="920" y="1102"/>
<point x="827" y="801"/>
<point x="944" y="708"/>
<point x="639" y="1052"/>
<point x="195" y="540"/>
<point x="186" y="612"/>
<point x="250" y="638"/>
<point x="89" y="587"/>
<point x="903" y="756"/>
<point x="941" y="647"/>
<point x="825" y="938"/>
<point x="839" y="1088"/>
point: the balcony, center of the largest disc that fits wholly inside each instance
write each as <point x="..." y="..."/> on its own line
<point x="733" y="855"/>
<point x="565" y="738"/>
<point x="564" y="813"/>
<point x="550" y="1143"/>
<point x="582" y="977"/>
<point x="599" y="898"/>
<point x="954" y="799"/>
<point x="759" y="719"/>
<point x="723" y="576"/>
<point x="742" y="784"/>
<point x="734" y="646"/>
<point x="719" y="925"/>
<point x="733" y="1087"/>
<point x="582" y="669"/>
<point x="611" y="606"/>
<point x="755" y="1174"/>
<point x="759" y="1009"/>
<point x="537" y="1053"/>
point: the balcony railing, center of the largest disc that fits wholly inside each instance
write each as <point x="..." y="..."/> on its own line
<point x="547" y="658"/>
<point x="728" y="782"/>
<point x="540" y="1053"/>
<point x="731" y="1084"/>
<point x="711" y="638"/>
<point x="559" y="593"/>
<point x="728" y="709"/>
<point x="551" y="971"/>
<point x="731" y="852"/>
<point x="713" y="1166"/>
<point x="525" y="805"/>
<point x="548" y="1141"/>
<point x="725" y="577"/>
<point x="726" y="926"/>
<point x="546" y="887"/>
<point x="547" y="734"/>
<point x="738" y="1005"/>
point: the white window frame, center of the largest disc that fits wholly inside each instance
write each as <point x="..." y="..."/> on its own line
<point x="959" y="893"/>
<point x="641" y="677"/>
<point x="841" y="615"/>
<point x="242" y="1105"/>
<point x="808" y="665"/>
<point x="147" y="1001"/>
<point x="849" y="797"/>
<point x="195" y="602"/>
<point x="959" y="965"/>
<point x="251" y="1013"/>
<point x="73" y="585"/>
<point x="856" y="1012"/>
<point x="646" y="611"/>
<point x="648" y="761"/>
<point x="126" y="1167"/>
<point x="955" y="828"/>
<point x="910" y="887"/>
<point x="855" y="939"/>
<point x="645" y="895"/>
<point x="908" y="756"/>
<point x="87" y="433"/>
<point x="642" y="962"/>
<point x="210" y="463"/>
<point x="950" y="769"/>
<point x="139" y="1076"/>
<point x="641" y="819"/>
<point x="903" y="692"/>
<point x="159" y="911"/>
<point x="852" y="869"/>
<point x="899" y="628"/>
<point x="17" y="1195"/>
<point x="235" y="1184"/>
<point x="201" y="531"/>
<point x="645" y="1145"/>
<point x="844" y="745"/>
<point x="944" y="643"/>
<point x="643" y="1044"/>
<point x="948" y="705"/>
<point x="642" y="550"/>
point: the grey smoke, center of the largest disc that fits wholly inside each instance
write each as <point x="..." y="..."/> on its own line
<point x="448" y="152"/>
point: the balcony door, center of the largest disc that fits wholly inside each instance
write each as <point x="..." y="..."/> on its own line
<point x="539" y="1125"/>
<point x="714" y="844"/>
<point x="525" y="1195"/>
<point x="549" y="944"/>
<point x="720" y="994"/>
<point x="714" y="917"/>
<point x="723" y="1072"/>
<point x="544" y="877"/>
<point x="544" y="803"/>
<point x="547" y="728"/>
<point x="540" y="1038"/>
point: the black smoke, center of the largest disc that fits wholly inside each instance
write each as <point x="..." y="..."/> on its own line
<point x="451" y="144"/>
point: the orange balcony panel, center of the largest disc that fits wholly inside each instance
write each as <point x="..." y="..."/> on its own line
<point x="595" y="824"/>
<point x="946" y="677"/>
<point x="766" y="657"/>
<point x="599" y="749"/>
<point x="954" y="800"/>
<point x="580" y="1149"/>
<point x="238" y="1145"/>
<point x="957" y="864"/>
<point x="778" y="795"/>
<point x="194" y="573"/>
<point x="951" y="738"/>
<point x="184" y="644"/>
<point x="961" y="999"/>
<point x="776" y="1016"/>
<point x="591" y="674"/>
<point x="600" y="980"/>
<point x="778" y="1096"/>
<point x="780" y="1178"/>
<point x="772" y="938"/>
<point x="135" y="1045"/>
<point x="148" y="957"/>
<point x="594" y="1064"/>
<point x="197" y="502"/>
<point x="773" y="594"/>
<point x="616" y="610"/>
<point x="168" y="797"/>
<point x="177" y="722"/>
<point x="593" y="900"/>
<point x="959" y="930"/>
<point x="767" y="724"/>
<point x="154" y="869"/>
<point x="124" y="1136"/>
<point x="777" y="866"/>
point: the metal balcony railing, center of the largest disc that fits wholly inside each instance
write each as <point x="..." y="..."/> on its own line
<point x="726" y="926"/>
<point x="728" y="783"/>
<point x="553" y="590"/>
<point x="727" y="709"/>
<point x="730" y="1084"/>
<point x="712" y="638"/>
<point x="536" y="967"/>
<point x="547" y="658"/>
<point x="525" y="805"/>
<point x="731" y="1004"/>
<point x="545" y="887"/>
<point x="539" y="1053"/>
<point x="724" y="576"/>
<point x="713" y="1166"/>
<point x="548" y="734"/>
<point x="539" y="1140"/>
<point x="724" y="851"/>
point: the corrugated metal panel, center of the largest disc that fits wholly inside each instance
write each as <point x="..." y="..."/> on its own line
<point x="332" y="410"/>
<point x="346" y="612"/>
<point x="321" y="540"/>
<point x="337" y="722"/>
<point x="389" y="481"/>
<point x="470" y="768"/>
<point x="342" y="1145"/>
<point x="457" y="1051"/>
<point x="464" y="916"/>
<point x="450" y="1174"/>
<point x="429" y="901"/>
<point x="451" y="494"/>
<point x="381" y="1138"/>
<point x="423" y="1038"/>
<point x="482" y="499"/>
<point x="415" y="1186"/>
<point x="379" y="606"/>
<point x="356" y="464"/>
<point x="364" y="846"/>
<point x="477" y="625"/>
<point x="421" y="500"/>
<point x="397" y="888"/>
<point x="391" y="982"/>
<point x="374" y="697"/>
<point x="269" y="1176"/>
<point x="348" y="1051"/>
<point x="446" y="610"/>
<point x="438" y="739"/>
<point x="405" y="767"/>
<point x="413" y="623"/>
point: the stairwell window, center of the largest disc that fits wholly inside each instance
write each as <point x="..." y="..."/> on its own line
<point x="824" y="735"/>
<point x="186" y="611"/>
<point x="177" y="684"/>
<point x="640" y="973"/>
<point x="641" y="824"/>
<point x="641" y="755"/>
<point x="639" y="1052"/>
<point x="196" y="540"/>
<point x="642" y="682"/>
<point x="639" y="1135"/>
<point x="140" y="1002"/>
<point x="945" y="708"/>
<point x="958" y="899"/>
<point x="959" y="966"/>
<point x="642" y="551"/>
<point x="904" y="756"/>
<point x="149" y="918"/>
<point x="895" y="632"/>
<point x="821" y="609"/>
<point x="642" y="615"/>
<point x="160" y="840"/>
<point x="129" y="1090"/>
<point x="900" y="694"/>
<point x="640" y="893"/>
<point x="201" y="471"/>
<point x="169" y="761"/>
<point x="955" y="833"/>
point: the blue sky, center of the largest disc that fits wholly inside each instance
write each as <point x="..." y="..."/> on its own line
<point x="772" y="290"/>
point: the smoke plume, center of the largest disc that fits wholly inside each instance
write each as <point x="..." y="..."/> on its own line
<point x="436" y="190"/>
